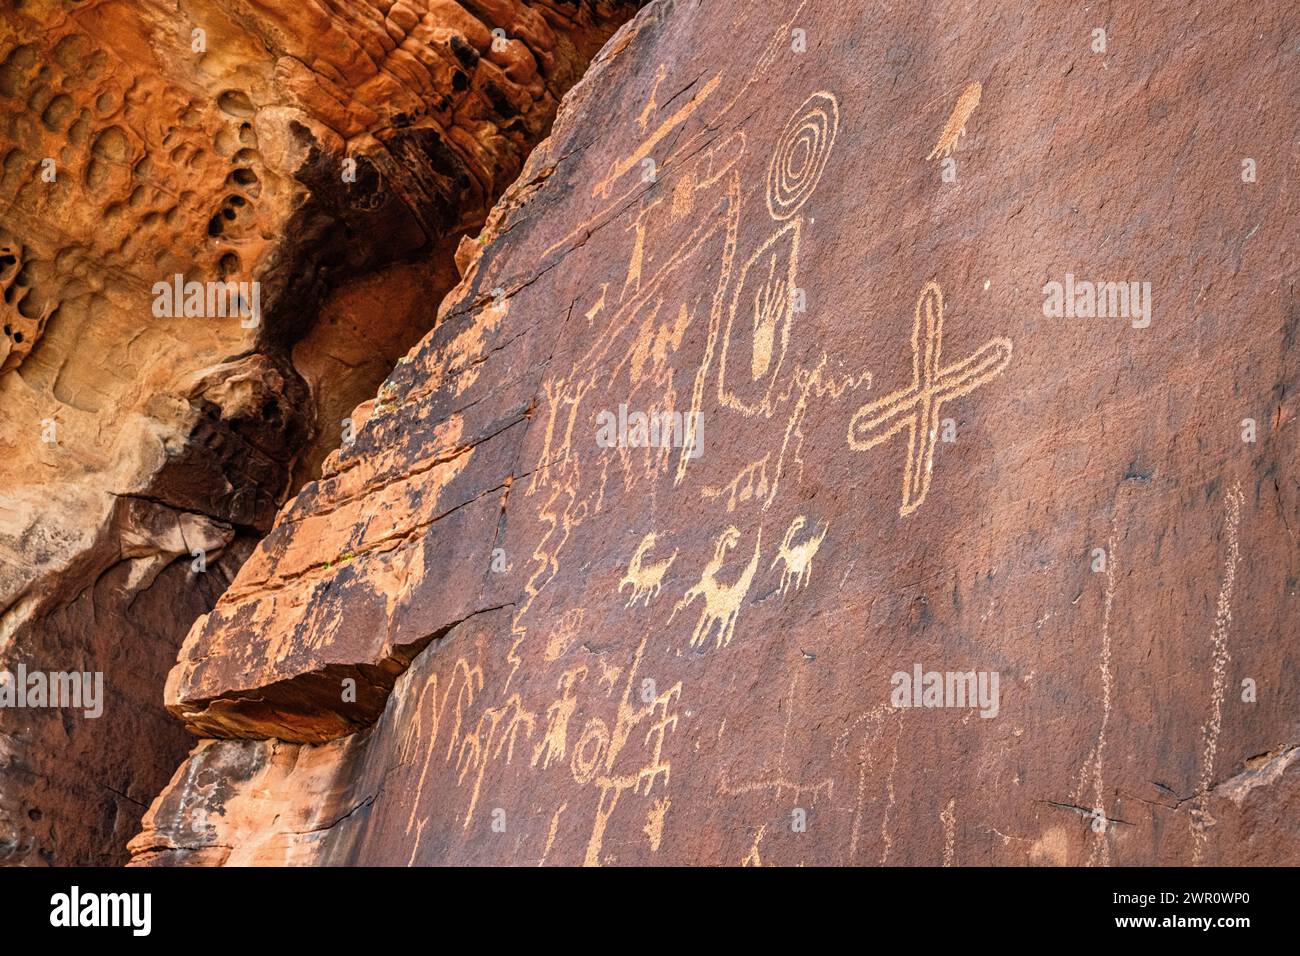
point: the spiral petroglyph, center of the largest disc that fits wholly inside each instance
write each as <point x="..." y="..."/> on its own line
<point x="801" y="153"/>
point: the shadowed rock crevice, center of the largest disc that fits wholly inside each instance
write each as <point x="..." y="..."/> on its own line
<point x="333" y="701"/>
<point x="334" y="156"/>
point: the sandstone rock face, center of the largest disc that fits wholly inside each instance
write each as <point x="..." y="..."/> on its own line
<point x="501" y="629"/>
<point x="333" y="154"/>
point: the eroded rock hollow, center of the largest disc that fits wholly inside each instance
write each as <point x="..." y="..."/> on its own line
<point x="327" y="158"/>
<point x="976" y="336"/>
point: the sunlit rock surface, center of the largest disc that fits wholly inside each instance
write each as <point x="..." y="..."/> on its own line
<point x="334" y="153"/>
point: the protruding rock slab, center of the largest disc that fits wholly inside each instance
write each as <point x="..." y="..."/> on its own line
<point x="333" y="155"/>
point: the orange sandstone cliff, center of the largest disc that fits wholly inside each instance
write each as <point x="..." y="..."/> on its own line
<point x="332" y="151"/>
<point x="730" y="432"/>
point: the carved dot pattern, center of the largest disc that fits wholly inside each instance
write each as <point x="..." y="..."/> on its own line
<point x="801" y="154"/>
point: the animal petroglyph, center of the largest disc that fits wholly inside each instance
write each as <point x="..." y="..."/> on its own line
<point x="721" y="601"/>
<point x="797" y="557"/>
<point x="801" y="153"/>
<point x="645" y="580"/>
<point x="917" y="407"/>
<point x="955" y="128"/>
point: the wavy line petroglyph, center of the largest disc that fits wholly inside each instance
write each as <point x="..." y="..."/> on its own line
<point x="1100" y="852"/>
<point x="1200" y="816"/>
<point x="645" y="580"/>
<point x="643" y="329"/>
<point x="797" y="557"/>
<point x="721" y="601"/>
<point x="949" y="820"/>
<point x="800" y="155"/>
<point x="955" y="128"/>
<point x="918" y="406"/>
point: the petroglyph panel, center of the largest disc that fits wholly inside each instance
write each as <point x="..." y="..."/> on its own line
<point x="685" y="653"/>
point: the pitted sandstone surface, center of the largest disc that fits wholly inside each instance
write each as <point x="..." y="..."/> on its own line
<point x="335" y="153"/>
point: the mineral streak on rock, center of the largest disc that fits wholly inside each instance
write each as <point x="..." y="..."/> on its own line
<point x="721" y="224"/>
<point x="333" y="153"/>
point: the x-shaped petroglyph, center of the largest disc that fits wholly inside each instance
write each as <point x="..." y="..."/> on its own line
<point x="917" y="407"/>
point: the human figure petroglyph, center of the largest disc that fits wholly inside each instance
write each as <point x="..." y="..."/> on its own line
<point x="654" y="823"/>
<point x="917" y="407"/>
<point x="555" y="741"/>
<point x="797" y="557"/>
<point x="596" y="755"/>
<point x="497" y="730"/>
<point x="721" y="601"/>
<point x="645" y="580"/>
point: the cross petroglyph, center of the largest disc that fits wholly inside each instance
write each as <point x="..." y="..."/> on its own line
<point x="917" y="407"/>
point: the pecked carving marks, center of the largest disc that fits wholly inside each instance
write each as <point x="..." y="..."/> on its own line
<point x="799" y="157"/>
<point x="955" y="128"/>
<point x="916" y="408"/>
